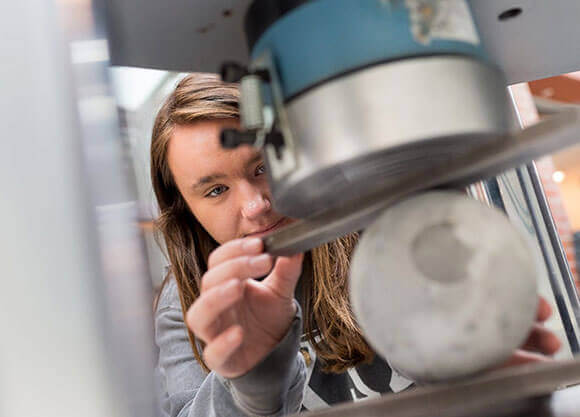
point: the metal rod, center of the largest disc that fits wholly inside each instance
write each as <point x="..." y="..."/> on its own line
<point x="560" y="256"/>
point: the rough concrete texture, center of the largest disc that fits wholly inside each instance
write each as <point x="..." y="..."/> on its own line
<point x="443" y="286"/>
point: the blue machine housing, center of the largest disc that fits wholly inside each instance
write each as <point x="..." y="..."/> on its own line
<point x="324" y="39"/>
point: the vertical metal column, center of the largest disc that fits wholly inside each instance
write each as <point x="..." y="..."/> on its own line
<point x="520" y="194"/>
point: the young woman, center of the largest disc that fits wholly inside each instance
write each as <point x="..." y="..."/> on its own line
<point x="238" y="333"/>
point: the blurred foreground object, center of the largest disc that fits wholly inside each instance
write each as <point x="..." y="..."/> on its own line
<point x="76" y="309"/>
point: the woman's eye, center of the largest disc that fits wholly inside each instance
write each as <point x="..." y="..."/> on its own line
<point x="217" y="191"/>
<point x="261" y="169"/>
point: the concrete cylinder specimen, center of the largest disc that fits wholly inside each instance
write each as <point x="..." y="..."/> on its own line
<point x="443" y="286"/>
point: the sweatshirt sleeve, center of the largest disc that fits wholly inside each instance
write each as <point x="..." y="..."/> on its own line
<point x="273" y="388"/>
<point x="275" y="385"/>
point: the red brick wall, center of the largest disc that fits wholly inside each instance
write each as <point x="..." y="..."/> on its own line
<point x="546" y="169"/>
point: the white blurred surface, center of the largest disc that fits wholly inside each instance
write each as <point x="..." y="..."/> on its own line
<point x="76" y="328"/>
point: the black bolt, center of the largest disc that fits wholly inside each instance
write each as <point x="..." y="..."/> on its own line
<point x="232" y="72"/>
<point x="232" y="138"/>
<point x="510" y="14"/>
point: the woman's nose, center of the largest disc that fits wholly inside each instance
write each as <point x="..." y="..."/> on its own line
<point x="255" y="204"/>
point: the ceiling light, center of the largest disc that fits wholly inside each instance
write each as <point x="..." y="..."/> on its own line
<point x="558" y="176"/>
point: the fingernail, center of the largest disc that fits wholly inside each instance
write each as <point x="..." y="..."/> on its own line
<point x="261" y="261"/>
<point x="253" y="245"/>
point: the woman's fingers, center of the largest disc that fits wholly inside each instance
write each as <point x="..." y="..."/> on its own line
<point x="234" y="249"/>
<point x="544" y="310"/>
<point x="202" y="316"/>
<point x="241" y="267"/>
<point x="542" y="340"/>
<point x="222" y="347"/>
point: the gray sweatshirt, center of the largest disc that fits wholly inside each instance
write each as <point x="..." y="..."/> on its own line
<point x="281" y="384"/>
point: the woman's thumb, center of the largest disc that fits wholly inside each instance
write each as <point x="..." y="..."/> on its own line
<point x="285" y="274"/>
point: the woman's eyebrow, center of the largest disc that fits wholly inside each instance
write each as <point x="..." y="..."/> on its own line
<point x="257" y="157"/>
<point x="206" y="180"/>
<point x="203" y="181"/>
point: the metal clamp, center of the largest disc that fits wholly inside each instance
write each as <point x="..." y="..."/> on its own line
<point x="262" y="113"/>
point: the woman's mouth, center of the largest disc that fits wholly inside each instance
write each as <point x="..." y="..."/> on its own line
<point x="268" y="229"/>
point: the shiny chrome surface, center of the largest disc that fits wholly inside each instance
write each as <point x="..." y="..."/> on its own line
<point x="364" y="130"/>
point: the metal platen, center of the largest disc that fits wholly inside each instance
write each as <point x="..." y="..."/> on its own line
<point x="483" y="162"/>
<point x="520" y="391"/>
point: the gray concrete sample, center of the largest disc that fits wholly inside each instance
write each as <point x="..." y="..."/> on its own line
<point x="443" y="286"/>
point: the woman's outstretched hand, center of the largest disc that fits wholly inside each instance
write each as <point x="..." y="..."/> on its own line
<point x="541" y="342"/>
<point x="239" y="318"/>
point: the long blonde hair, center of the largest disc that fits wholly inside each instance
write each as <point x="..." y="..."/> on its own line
<point x="325" y="303"/>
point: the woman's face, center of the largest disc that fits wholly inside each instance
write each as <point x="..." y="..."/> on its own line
<point x="226" y="189"/>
